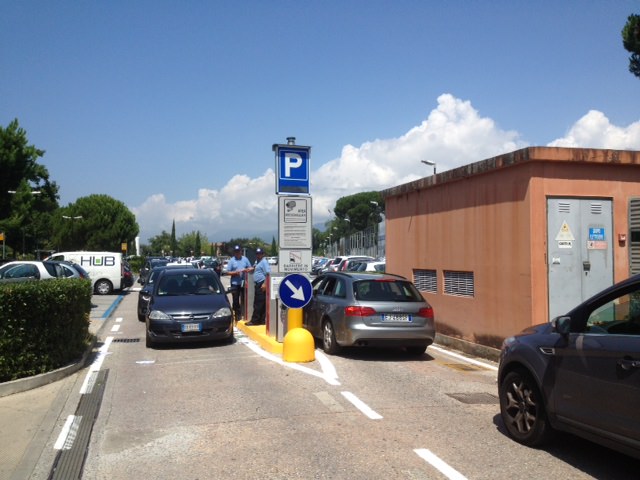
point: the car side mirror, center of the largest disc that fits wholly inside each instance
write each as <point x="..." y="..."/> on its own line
<point x="562" y="325"/>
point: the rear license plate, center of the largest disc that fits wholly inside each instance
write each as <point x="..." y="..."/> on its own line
<point x="396" y="317"/>
<point x="191" y="327"/>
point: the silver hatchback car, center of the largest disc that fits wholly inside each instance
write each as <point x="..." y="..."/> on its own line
<point x="361" y="309"/>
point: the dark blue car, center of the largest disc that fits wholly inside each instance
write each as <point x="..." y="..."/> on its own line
<point x="188" y="305"/>
<point x="579" y="373"/>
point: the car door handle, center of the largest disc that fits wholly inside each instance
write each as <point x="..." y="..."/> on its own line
<point x="628" y="363"/>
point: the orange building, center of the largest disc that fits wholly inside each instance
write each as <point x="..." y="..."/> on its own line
<point x="517" y="239"/>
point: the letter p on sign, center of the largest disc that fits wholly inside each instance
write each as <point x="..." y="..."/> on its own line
<point x="291" y="160"/>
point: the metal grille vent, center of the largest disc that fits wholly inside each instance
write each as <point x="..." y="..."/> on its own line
<point x="596" y="208"/>
<point x="634" y="236"/>
<point x="460" y="284"/>
<point x="426" y="280"/>
<point x="126" y="340"/>
<point x="564" y="207"/>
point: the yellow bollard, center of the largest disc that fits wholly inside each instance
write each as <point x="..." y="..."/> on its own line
<point x="298" y="346"/>
<point x="294" y="318"/>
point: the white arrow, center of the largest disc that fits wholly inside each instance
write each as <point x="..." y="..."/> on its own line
<point x="298" y="294"/>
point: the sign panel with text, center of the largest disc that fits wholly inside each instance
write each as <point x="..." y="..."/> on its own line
<point x="294" y="222"/>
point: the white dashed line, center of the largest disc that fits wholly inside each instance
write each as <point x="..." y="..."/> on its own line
<point x="447" y="470"/>
<point x="360" y="405"/>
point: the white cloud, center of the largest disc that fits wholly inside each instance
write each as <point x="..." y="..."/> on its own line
<point x="453" y="134"/>
<point x="594" y="130"/>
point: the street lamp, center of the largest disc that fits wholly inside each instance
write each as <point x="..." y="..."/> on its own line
<point x="433" y="164"/>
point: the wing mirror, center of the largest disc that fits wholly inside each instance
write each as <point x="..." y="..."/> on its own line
<point x="562" y="325"/>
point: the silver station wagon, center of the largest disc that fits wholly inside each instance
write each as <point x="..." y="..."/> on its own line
<point x="368" y="309"/>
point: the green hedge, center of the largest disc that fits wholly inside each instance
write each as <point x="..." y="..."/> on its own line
<point x="44" y="325"/>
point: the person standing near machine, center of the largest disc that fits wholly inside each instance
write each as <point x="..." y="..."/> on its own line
<point x="236" y="269"/>
<point x="261" y="272"/>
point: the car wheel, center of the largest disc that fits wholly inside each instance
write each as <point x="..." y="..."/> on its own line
<point x="103" y="287"/>
<point x="329" y="344"/>
<point x="141" y="317"/>
<point x="416" y="350"/>
<point x="148" y="342"/>
<point x="522" y="409"/>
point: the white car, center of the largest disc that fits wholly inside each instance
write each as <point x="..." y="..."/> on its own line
<point x="20" y="271"/>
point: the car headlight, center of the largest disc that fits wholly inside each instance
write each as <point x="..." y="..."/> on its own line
<point x="158" y="315"/>
<point x="223" y="312"/>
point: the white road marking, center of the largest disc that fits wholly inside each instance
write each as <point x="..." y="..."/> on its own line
<point x="68" y="433"/>
<point x="439" y="464"/>
<point x="145" y="362"/>
<point x="95" y="366"/>
<point x="328" y="368"/>
<point x="360" y="405"/>
<point x="466" y="359"/>
<point x="115" y="328"/>
<point x="257" y="349"/>
<point x="119" y="319"/>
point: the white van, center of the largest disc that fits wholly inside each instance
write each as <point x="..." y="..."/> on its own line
<point x="104" y="268"/>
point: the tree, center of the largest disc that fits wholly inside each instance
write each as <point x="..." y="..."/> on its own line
<point x="190" y="244"/>
<point x="356" y="212"/>
<point x="158" y="245"/>
<point x="174" y="243"/>
<point x="631" y="43"/>
<point x="27" y="196"/>
<point x="95" y="222"/>
<point x="274" y="248"/>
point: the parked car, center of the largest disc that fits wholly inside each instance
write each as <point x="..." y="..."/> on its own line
<point x="213" y="264"/>
<point x="346" y="261"/>
<point x="127" y="275"/>
<point x="318" y="265"/>
<point x="360" y="309"/>
<point x="188" y="305"/>
<point x="23" y="270"/>
<point x="73" y="270"/>
<point x="579" y="373"/>
<point x="149" y="264"/>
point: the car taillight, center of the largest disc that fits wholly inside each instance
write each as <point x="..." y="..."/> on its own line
<point x="357" y="311"/>
<point x="426" y="312"/>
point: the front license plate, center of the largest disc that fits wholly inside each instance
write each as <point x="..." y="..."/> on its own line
<point x="191" y="327"/>
<point x="396" y="317"/>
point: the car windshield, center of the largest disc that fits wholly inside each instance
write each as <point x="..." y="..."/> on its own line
<point x="189" y="284"/>
<point x="386" y="291"/>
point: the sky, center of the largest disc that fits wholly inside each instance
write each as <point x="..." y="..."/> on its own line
<point x="172" y="107"/>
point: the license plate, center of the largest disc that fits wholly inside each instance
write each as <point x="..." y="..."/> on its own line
<point x="191" y="327"/>
<point x="396" y="317"/>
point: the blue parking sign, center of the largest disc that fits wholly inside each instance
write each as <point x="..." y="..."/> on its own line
<point x="292" y="169"/>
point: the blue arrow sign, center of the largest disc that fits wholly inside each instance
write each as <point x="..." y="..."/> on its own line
<point x="295" y="290"/>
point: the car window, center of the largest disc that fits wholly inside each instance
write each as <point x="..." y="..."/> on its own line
<point x="620" y="316"/>
<point x="328" y="286"/>
<point x="386" y="291"/>
<point x="22" y="271"/>
<point x="340" y="289"/>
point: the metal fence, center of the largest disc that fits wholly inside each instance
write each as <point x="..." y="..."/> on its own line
<point x="370" y="241"/>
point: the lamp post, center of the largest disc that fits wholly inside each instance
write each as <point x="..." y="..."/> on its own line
<point x="73" y="221"/>
<point x="433" y="164"/>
